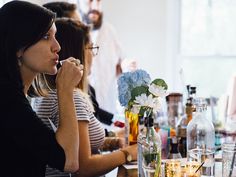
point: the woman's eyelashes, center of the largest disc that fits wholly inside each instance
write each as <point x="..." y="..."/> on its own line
<point x="46" y="36"/>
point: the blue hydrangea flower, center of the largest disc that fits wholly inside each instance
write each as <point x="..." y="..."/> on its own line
<point x="129" y="80"/>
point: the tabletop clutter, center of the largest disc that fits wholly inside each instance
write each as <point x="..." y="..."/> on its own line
<point x="172" y="126"/>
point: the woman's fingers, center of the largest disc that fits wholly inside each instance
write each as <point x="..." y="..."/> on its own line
<point x="70" y="73"/>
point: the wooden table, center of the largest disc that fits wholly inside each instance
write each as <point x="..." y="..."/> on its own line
<point x="123" y="172"/>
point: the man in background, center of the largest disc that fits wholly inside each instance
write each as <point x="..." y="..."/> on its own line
<point x="106" y="65"/>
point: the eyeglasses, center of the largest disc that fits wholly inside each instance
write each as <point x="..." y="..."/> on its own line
<point x="94" y="48"/>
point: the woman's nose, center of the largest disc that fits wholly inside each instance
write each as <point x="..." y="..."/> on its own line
<point x="56" y="46"/>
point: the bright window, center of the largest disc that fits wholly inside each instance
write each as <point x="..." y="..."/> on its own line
<point x="208" y="28"/>
<point x="208" y="44"/>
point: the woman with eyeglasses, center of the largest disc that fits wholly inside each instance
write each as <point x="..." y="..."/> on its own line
<point x="69" y="10"/>
<point x="74" y="39"/>
<point x="28" y="47"/>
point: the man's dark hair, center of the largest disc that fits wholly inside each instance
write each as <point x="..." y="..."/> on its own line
<point x="62" y="9"/>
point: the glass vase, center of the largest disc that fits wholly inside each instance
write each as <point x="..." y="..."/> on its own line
<point x="151" y="150"/>
<point x="132" y="130"/>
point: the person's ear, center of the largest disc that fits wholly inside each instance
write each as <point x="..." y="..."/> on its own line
<point x="19" y="55"/>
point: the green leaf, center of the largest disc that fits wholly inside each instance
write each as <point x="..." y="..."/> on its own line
<point x="144" y="109"/>
<point x="151" y="157"/>
<point x="137" y="91"/>
<point x="160" y="82"/>
<point x="130" y="104"/>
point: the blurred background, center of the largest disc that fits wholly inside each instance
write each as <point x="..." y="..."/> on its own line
<point x="182" y="41"/>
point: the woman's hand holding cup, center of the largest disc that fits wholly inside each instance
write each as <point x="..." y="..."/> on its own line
<point x="70" y="74"/>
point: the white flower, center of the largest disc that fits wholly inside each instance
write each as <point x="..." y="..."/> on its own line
<point x="156" y="105"/>
<point x="157" y="90"/>
<point x="148" y="101"/>
<point x="143" y="100"/>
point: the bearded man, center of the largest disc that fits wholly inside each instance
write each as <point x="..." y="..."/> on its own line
<point x="107" y="64"/>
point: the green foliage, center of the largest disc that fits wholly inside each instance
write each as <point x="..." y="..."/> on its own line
<point x="138" y="91"/>
<point x="160" y="82"/>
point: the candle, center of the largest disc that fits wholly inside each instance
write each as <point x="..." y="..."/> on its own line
<point x="172" y="168"/>
<point x="190" y="169"/>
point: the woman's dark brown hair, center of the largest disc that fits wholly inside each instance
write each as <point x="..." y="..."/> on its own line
<point x="72" y="36"/>
<point x="22" y="24"/>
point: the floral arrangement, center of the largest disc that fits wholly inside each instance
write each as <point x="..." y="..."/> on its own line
<point x="138" y="93"/>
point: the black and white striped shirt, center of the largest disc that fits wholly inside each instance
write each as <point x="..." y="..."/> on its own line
<point x="47" y="108"/>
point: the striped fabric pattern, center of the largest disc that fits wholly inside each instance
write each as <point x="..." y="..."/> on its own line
<point x="47" y="107"/>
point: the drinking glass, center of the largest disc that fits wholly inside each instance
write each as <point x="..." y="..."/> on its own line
<point x="228" y="160"/>
<point x="191" y="169"/>
<point x="206" y="160"/>
<point x="172" y="168"/>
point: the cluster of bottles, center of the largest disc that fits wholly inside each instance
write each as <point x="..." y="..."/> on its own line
<point x="190" y="134"/>
<point x="184" y="118"/>
<point x="179" y="117"/>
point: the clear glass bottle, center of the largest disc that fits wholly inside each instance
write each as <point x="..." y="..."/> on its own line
<point x="201" y="139"/>
<point x="151" y="150"/>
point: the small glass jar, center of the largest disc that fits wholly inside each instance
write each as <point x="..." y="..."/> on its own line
<point x="172" y="168"/>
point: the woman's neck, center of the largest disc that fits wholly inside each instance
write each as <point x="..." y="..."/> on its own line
<point x="27" y="83"/>
<point x="27" y="78"/>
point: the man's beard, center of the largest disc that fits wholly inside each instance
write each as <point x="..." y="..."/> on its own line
<point x="95" y="25"/>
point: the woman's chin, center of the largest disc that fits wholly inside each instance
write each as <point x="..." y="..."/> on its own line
<point x="52" y="72"/>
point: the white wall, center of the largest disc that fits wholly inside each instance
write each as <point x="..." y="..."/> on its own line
<point x="148" y="31"/>
<point x="144" y="28"/>
<point x="141" y="28"/>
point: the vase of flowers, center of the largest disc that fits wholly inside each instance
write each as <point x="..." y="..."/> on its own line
<point x="138" y="94"/>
